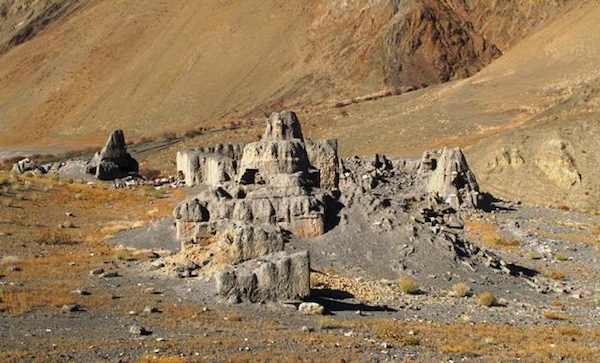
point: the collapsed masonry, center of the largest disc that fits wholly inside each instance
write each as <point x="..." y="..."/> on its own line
<point x="254" y="196"/>
<point x="113" y="161"/>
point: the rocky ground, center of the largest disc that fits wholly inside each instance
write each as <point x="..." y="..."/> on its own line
<point x="54" y="309"/>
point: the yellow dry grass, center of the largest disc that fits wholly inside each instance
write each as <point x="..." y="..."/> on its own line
<point x="501" y="341"/>
<point x="68" y="253"/>
<point x="489" y="235"/>
<point x="558" y="315"/>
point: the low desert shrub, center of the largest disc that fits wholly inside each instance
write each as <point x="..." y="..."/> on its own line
<point x="501" y="241"/>
<point x="408" y="286"/>
<point x="153" y="193"/>
<point x="557" y="315"/>
<point x="487" y="299"/>
<point x="460" y="290"/>
<point x="327" y="322"/>
<point x="53" y="238"/>
<point x="554" y="274"/>
<point x="193" y="133"/>
<point x="123" y="254"/>
<point x="560" y="257"/>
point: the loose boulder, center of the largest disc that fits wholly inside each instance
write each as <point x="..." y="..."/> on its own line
<point x="25" y="165"/>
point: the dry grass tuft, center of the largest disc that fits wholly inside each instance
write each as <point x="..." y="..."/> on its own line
<point x="155" y="359"/>
<point x="557" y="315"/>
<point x="408" y="286"/>
<point x="53" y="238"/>
<point x="8" y="203"/>
<point x="489" y="235"/>
<point x="124" y="254"/>
<point x="569" y="331"/>
<point x="554" y="274"/>
<point x="460" y="290"/>
<point x="9" y="260"/>
<point x="558" y="256"/>
<point x="487" y="299"/>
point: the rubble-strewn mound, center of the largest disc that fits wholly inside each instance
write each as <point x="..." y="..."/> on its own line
<point x="377" y="217"/>
<point x="405" y="217"/>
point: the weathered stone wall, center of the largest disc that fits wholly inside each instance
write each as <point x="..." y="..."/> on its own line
<point x="274" y="277"/>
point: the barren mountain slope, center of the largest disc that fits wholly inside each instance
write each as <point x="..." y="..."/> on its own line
<point x="532" y="117"/>
<point x="89" y="66"/>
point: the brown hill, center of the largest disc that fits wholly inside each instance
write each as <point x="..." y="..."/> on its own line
<point x="73" y="69"/>
<point x="531" y="118"/>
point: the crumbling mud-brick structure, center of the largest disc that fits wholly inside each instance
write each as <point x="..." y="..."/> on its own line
<point x="252" y="198"/>
<point x="252" y="194"/>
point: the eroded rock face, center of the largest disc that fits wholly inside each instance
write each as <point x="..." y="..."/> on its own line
<point x="266" y="158"/>
<point x="555" y="161"/>
<point x="282" y="126"/>
<point x="113" y="161"/>
<point x="324" y="157"/>
<point x="291" y="207"/>
<point x="255" y="192"/>
<point x="274" y="277"/>
<point x="451" y="178"/>
<point x="210" y="166"/>
<point x="242" y="242"/>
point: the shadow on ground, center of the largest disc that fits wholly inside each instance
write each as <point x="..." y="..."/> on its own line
<point x="333" y="300"/>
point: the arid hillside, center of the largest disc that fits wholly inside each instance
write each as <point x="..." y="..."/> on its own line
<point x="530" y="120"/>
<point x="516" y="82"/>
<point x="72" y="69"/>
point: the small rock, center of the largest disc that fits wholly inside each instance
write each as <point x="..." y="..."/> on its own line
<point x="233" y="299"/>
<point x="305" y="329"/>
<point x="138" y="330"/>
<point x="151" y="291"/>
<point x="82" y="292"/>
<point x="150" y="310"/>
<point x="311" y="308"/>
<point x="69" y="308"/>
<point x="152" y="255"/>
<point x="69" y="214"/>
<point x="14" y="268"/>
<point x="109" y="274"/>
<point x="96" y="272"/>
